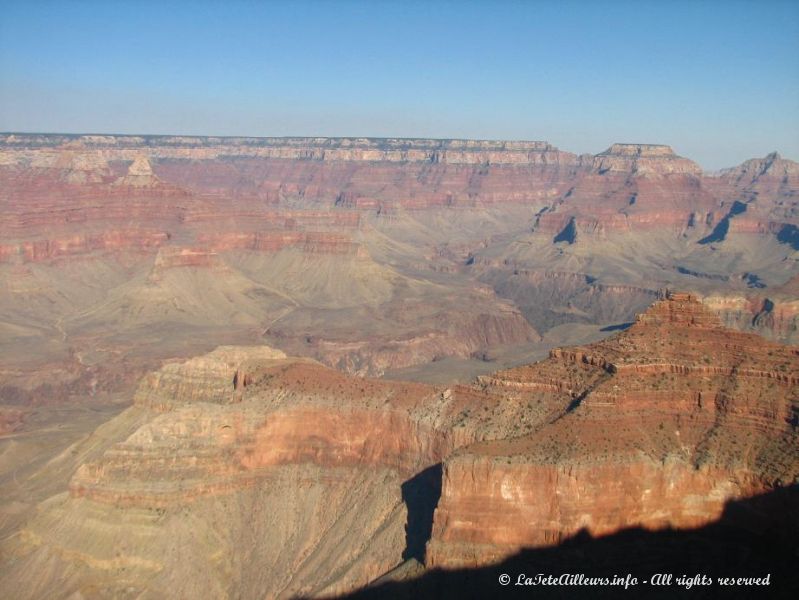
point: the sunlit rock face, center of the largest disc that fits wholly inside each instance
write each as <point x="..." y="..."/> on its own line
<point x="667" y="422"/>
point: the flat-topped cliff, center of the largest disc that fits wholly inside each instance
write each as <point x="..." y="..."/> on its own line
<point x="643" y="159"/>
<point x="319" y="149"/>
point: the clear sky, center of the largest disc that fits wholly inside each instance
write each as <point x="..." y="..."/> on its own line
<point x="719" y="81"/>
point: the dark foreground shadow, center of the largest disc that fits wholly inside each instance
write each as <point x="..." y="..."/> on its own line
<point x="420" y="494"/>
<point x="753" y="538"/>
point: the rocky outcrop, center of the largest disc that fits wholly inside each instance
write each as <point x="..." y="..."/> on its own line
<point x="630" y="188"/>
<point x="761" y="198"/>
<point x="212" y="378"/>
<point x="83" y="167"/>
<point x="643" y="159"/>
<point x="681" y="310"/>
<point x="267" y="459"/>
<point x="531" y="505"/>
<point x="139" y="174"/>
<point x="659" y="427"/>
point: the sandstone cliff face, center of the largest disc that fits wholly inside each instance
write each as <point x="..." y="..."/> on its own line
<point x="212" y="378"/>
<point x="628" y="188"/>
<point x="528" y="505"/>
<point x="412" y="173"/>
<point x="660" y="426"/>
<point x="635" y="187"/>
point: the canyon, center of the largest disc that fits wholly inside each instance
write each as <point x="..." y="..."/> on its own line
<point x="282" y="367"/>
<point x="248" y="473"/>
<point x="370" y="255"/>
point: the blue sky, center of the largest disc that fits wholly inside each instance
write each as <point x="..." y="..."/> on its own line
<point x="719" y="81"/>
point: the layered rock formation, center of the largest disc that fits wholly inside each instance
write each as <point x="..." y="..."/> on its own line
<point x="244" y="473"/>
<point x="659" y="427"/>
<point x="626" y="188"/>
<point x="630" y="188"/>
<point x="643" y="159"/>
<point x="32" y="146"/>
<point x="369" y="255"/>
<point x="245" y="459"/>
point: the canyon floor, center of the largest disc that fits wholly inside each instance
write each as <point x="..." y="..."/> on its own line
<point x="278" y="367"/>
